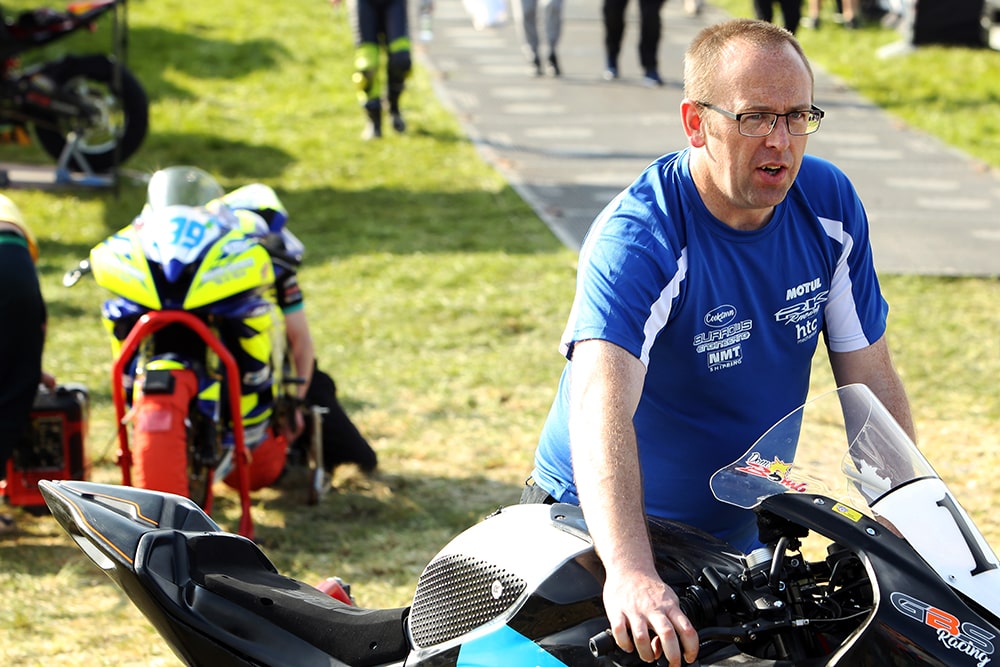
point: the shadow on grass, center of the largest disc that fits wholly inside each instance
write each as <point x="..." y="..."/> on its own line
<point x="192" y="55"/>
<point x="336" y="223"/>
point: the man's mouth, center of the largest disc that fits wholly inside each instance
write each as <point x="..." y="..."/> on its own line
<point x="772" y="169"/>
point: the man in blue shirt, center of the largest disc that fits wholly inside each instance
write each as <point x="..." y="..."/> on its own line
<point x="702" y="292"/>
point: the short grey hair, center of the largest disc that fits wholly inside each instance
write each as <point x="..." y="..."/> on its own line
<point x="704" y="55"/>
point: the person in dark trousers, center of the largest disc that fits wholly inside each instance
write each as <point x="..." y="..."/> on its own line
<point x="20" y="345"/>
<point x="650" y="27"/>
<point x="380" y="28"/>
<point x="791" y="12"/>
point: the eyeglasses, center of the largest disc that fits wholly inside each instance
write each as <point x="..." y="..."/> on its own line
<point x="761" y="123"/>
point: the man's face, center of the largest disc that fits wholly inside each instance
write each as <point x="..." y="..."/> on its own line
<point x="742" y="178"/>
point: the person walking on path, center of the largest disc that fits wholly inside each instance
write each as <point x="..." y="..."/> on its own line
<point x="703" y="290"/>
<point x="380" y="27"/>
<point x="650" y="27"/>
<point x="526" y="20"/>
<point x="791" y="12"/>
<point x="849" y="10"/>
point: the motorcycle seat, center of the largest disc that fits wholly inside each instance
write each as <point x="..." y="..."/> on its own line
<point x="234" y="568"/>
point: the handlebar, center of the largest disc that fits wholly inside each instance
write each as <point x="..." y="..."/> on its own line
<point x="696" y="603"/>
<point x="73" y="276"/>
<point x="701" y="607"/>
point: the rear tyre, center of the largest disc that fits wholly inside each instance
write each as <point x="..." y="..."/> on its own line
<point x="115" y="123"/>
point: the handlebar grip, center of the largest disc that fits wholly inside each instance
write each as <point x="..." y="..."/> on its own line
<point x="602" y="644"/>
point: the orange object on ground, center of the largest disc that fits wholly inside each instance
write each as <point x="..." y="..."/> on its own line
<point x="159" y="448"/>
<point x="267" y="461"/>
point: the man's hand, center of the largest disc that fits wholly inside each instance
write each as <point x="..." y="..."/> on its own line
<point x="646" y="617"/>
<point x="296" y="425"/>
<point x="48" y="380"/>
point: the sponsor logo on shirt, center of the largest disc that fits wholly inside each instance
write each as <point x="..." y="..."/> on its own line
<point x="722" y="343"/>
<point x="809" y="298"/>
<point x="720" y="316"/>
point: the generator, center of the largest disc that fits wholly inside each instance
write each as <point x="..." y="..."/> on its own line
<point x="56" y="447"/>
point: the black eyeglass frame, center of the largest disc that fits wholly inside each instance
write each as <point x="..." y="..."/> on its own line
<point x="738" y="117"/>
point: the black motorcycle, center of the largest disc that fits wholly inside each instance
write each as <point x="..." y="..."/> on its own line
<point x="89" y="112"/>
<point x="869" y="561"/>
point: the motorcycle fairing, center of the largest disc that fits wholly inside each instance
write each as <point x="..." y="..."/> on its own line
<point x="43" y="26"/>
<point x="515" y="648"/>
<point x="228" y="262"/>
<point x="108" y="521"/>
<point x="174" y="238"/>
<point x="938" y="527"/>
<point x="214" y="596"/>
<point x="234" y="265"/>
<point x="498" y="562"/>
<point x="120" y="266"/>
<point x="892" y="566"/>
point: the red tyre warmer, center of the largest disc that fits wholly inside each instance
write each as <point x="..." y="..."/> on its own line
<point x="159" y="447"/>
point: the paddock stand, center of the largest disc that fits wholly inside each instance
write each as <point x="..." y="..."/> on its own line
<point x="33" y="176"/>
<point x="88" y="177"/>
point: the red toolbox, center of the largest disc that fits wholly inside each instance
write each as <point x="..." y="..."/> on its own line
<point x="57" y="446"/>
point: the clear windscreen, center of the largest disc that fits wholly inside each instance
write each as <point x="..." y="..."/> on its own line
<point x="846" y="446"/>
<point x="181" y="186"/>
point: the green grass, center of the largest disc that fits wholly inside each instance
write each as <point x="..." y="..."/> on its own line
<point x="436" y="297"/>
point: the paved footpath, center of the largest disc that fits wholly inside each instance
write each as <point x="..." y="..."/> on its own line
<point x="569" y="144"/>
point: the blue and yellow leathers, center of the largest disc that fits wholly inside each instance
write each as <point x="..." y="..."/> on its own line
<point x="380" y="26"/>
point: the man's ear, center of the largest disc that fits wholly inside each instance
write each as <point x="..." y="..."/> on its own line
<point x="693" y="126"/>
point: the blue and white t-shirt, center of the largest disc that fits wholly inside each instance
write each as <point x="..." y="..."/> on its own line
<point x="725" y="321"/>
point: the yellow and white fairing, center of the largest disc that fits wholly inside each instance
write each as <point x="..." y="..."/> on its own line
<point x="178" y="238"/>
<point x="119" y="265"/>
<point x="191" y="258"/>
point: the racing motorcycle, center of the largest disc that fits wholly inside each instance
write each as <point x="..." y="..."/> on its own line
<point x="868" y="560"/>
<point x="89" y="112"/>
<point x="200" y="373"/>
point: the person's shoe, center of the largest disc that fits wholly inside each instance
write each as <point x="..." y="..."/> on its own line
<point x="554" y="64"/>
<point x="398" y="123"/>
<point x="811" y="22"/>
<point x="610" y="72"/>
<point x="537" y="63"/>
<point x="652" y="79"/>
<point x="373" y="130"/>
<point x="7" y="524"/>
